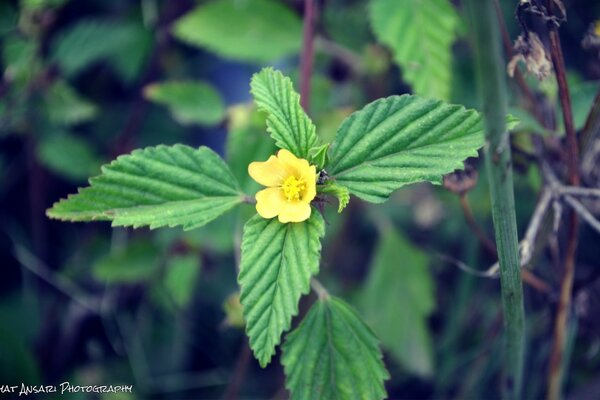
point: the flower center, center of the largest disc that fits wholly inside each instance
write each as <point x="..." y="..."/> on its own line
<point x="292" y="188"/>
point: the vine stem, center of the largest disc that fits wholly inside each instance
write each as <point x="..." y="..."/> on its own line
<point x="307" y="56"/>
<point x="492" y="87"/>
<point x="556" y="364"/>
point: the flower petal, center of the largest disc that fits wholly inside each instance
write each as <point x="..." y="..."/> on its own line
<point x="309" y="175"/>
<point x="270" y="202"/>
<point x="295" y="164"/>
<point x="269" y="173"/>
<point x="297" y="211"/>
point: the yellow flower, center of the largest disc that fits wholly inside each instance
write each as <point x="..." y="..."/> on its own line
<point x="291" y="186"/>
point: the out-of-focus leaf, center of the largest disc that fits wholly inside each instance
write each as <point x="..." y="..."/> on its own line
<point x="124" y="45"/>
<point x="420" y="34"/>
<point x="277" y="263"/>
<point x="69" y="156"/>
<point x="401" y="140"/>
<point x="156" y="187"/>
<point x="182" y="274"/>
<point x="136" y="262"/>
<point x="8" y="18"/>
<point x="397" y="299"/>
<point x="64" y="106"/>
<point x="582" y="98"/>
<point x="333" y="355"/>
<point x="18" y="363"/>
<point x="346" y="23"/>
<point x="233" y="311"/>
<point x="246" y="30"/>
<point x="287" y="122"/>
<point x="190" y="102"/>
<point x="19" y="58"/>
<point x="40" y="4"/>
<point x="247" y="141"/>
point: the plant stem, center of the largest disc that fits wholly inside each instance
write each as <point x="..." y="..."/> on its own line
<point x="556" y="368"/>
<point x="307" y="56"/>
<point x="490" y="67"/>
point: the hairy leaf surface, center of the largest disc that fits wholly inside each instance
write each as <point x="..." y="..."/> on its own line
<point x="420" y="34"/>
<point x="287" y="122"/>
<point x="333" y="355"/>
<point x="401" y="140"/>
<point x="278" y="261"/>
<point x="246" y="30"/>
<point x="156" y="186"/>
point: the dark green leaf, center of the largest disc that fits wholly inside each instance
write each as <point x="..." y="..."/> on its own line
<point x="80" y="163"/>
<point x="137" y="262"/>
<point x="182" y="274"/>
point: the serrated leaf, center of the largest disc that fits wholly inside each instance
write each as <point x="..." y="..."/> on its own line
<point x="319" y="156"/>
<point x="137" y="262"/>
<point x="333" y="355"/>
<point x="124" y="45"/>
<point x="287" y="122"/>
<point x="64" y="106"/>
<point x="181" y="276"/>
<point x="338" y="191"/>
<point x="420" y="34"/>
<point x="277" y="263"/>
<point x="401" y="140"/>
<point x="78" y="166"/>
<point x="397" y="299"/>
<point x="156" y="186"/>
<point x="246" y="30"/>
<point x="190" y="102"/>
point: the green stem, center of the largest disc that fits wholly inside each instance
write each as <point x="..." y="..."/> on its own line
<point x="490" y="66"/>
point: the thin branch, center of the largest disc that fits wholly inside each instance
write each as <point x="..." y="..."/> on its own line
<point x="307" y="57"/>
<point x="239" y="372"/>
<point x="483" y="238"/>
<point x="319" y="289"/>
<point x="583" y="212"/>
<point x="556" y="365"/>
<point x="341" y="53"/>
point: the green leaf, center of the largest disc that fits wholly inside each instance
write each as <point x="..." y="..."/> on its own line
<point x="246" y="142"/>
<point x="124" y="45"/>
<point x="188" y="101"/>
<point x="136" y="262"/>
<point x="420" y="34"/>
<point x="340" y="192"/>
<point x="182" y="274"/>
<point x="287" y="122"/>
<point x="401" y="140"/>
<point x="156" y="186"/>
<point x="319" y="156"/>
<point x="333" y="355"/>
<point x="64" y="106"/>
<point x="78" y="166"/>
<point x="397" y="299"/>
<point x="277" y="263"/>
<point x="246" y="30"/>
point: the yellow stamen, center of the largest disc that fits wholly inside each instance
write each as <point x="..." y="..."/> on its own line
<point x="292" y="188"/>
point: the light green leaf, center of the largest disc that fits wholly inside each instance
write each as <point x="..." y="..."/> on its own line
<point x="64" y="106"/>
<point x="420" y="34"/>
<point x="277" y="263"/>
<point x="189" y="102"/>
<point x="156" y="186"/>
<point x="397" y="300"/>
<point x="319" y="156"/>
<point x="136" y="262"/>
<point x="78" y="166"/>
<point x="333" y="355"/>
<point x="401" y="140"/>
<point x="287" y="122"/>
<point x="182" y="274"/>
<point x="338" y="191"/>
<point x="124" y="45"/>
<point x="246" y="30"/>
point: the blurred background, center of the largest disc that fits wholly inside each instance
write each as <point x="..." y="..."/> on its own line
<point x="84" y="81"/>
